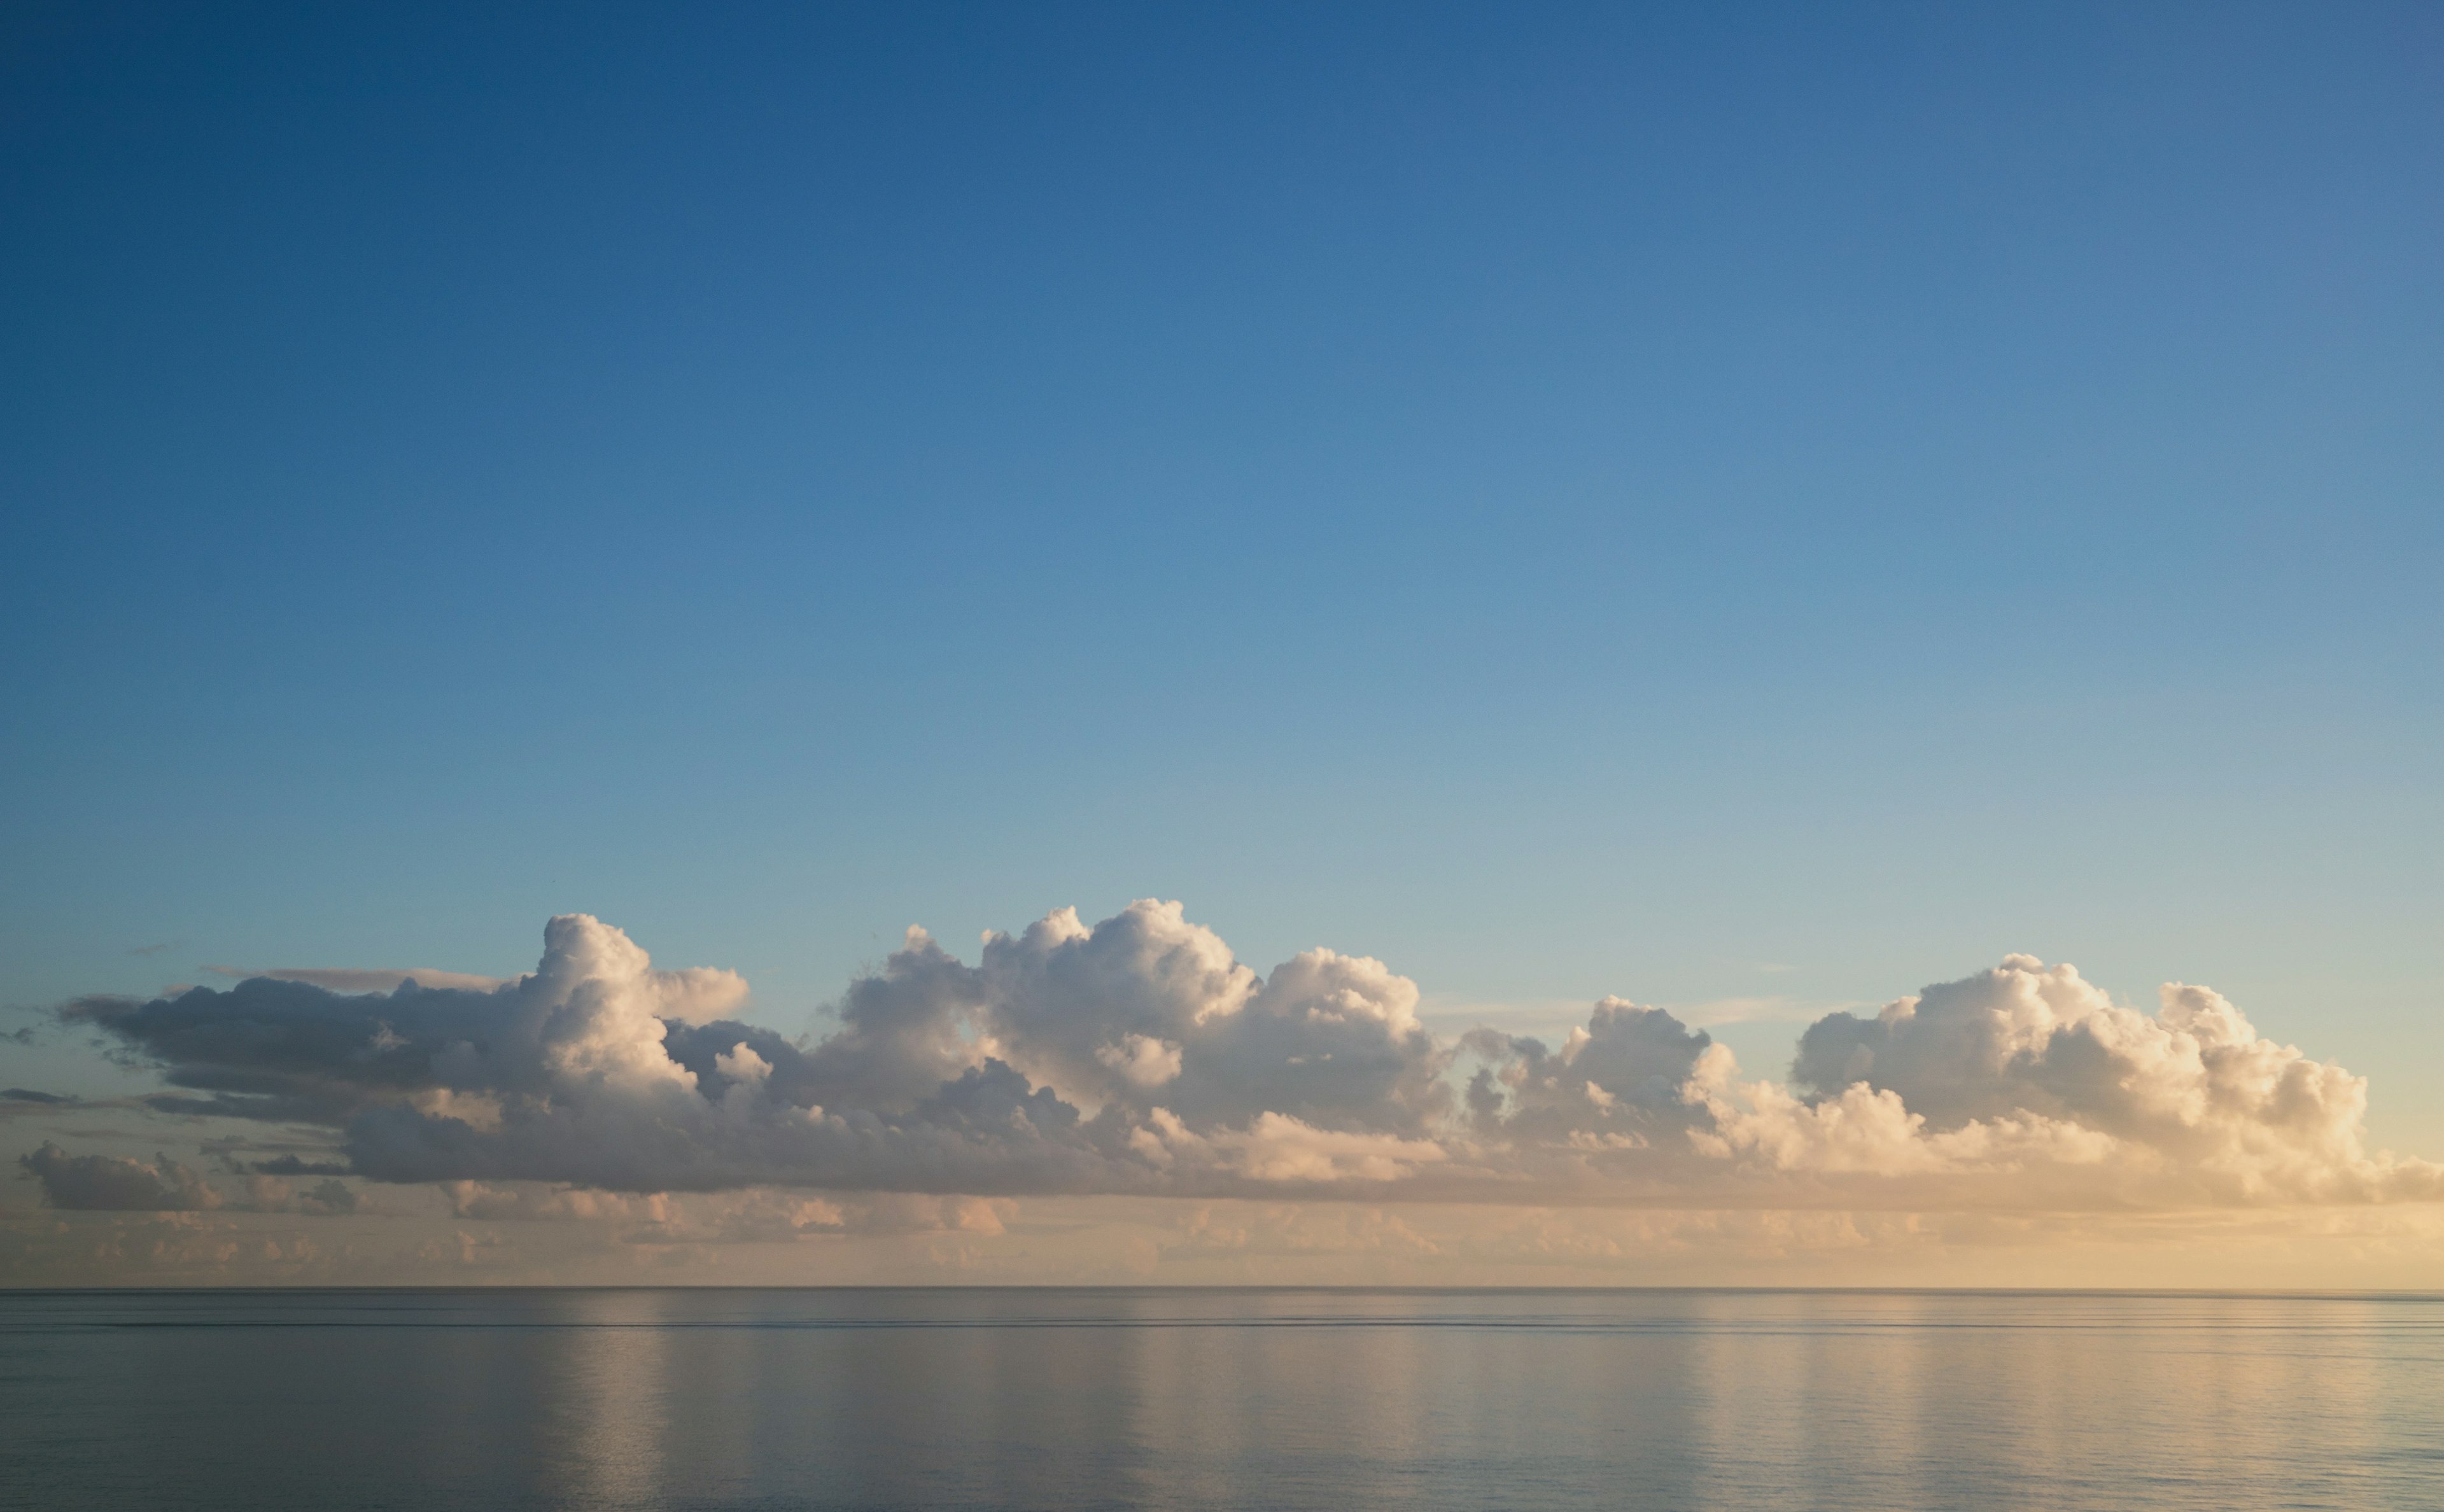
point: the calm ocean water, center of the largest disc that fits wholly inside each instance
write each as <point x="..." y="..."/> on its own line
<point x="1259" y="1399"/>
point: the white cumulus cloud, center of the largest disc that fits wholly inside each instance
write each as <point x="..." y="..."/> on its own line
<point x="1139" y="1056"/>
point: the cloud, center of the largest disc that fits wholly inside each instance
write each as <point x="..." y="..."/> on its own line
<point x="343" y="979"/>
<point x="2027" y="1056"/>
<point x="1139" y="1056"/>
<point x="1623" y="1074"/>
<point x="116" y="1183"/>
<point x="1276" y="1146"/>
<point x="327" y="1198"/>
<point x="291" y="1166"/>
<point x="476" y="1199"/>
<point x="1865" y="1130"/>
<point x="759" y="1215"/>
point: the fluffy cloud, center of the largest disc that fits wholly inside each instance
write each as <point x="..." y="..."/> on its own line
<point x="1277" y="1147"/>
<point x="2027" y="1062"/>
<point x="1621" y="1081"/>
<point x="1139" y="1056"/>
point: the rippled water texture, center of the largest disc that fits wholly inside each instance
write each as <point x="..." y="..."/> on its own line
<point x="1271" y="1400"/>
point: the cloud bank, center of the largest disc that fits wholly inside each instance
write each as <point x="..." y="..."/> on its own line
<point x="117" y="1184"/>
<point x="1139" y="1057"/>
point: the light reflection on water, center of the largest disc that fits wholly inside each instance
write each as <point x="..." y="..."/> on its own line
<point x="1195" y="1399"/>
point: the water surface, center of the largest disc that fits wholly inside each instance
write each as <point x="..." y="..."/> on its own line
<point x="1197" y="1399"/>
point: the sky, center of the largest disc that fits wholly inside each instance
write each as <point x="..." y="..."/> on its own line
<point x="1760" y="513"/>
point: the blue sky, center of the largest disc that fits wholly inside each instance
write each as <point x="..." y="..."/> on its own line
<point x="1698" y="504"/>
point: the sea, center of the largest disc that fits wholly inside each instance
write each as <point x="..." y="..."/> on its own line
<point x="1170" y="1398"/>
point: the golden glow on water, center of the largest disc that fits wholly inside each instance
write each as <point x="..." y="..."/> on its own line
<point x="607" y="1421"/>
<point x="1197" y="1399"/>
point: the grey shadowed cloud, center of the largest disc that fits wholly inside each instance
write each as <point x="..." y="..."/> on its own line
<point x="291" y="1166"/>
<point x="116" y="1183"/>
<point x="1139" y="1056"/>
<point x="350" y="979"/>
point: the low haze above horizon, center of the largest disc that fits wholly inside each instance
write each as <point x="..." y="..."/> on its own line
<point x="1483" y="643"/>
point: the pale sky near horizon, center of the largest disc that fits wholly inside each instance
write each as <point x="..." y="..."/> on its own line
<point x="1757" y="511"/>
